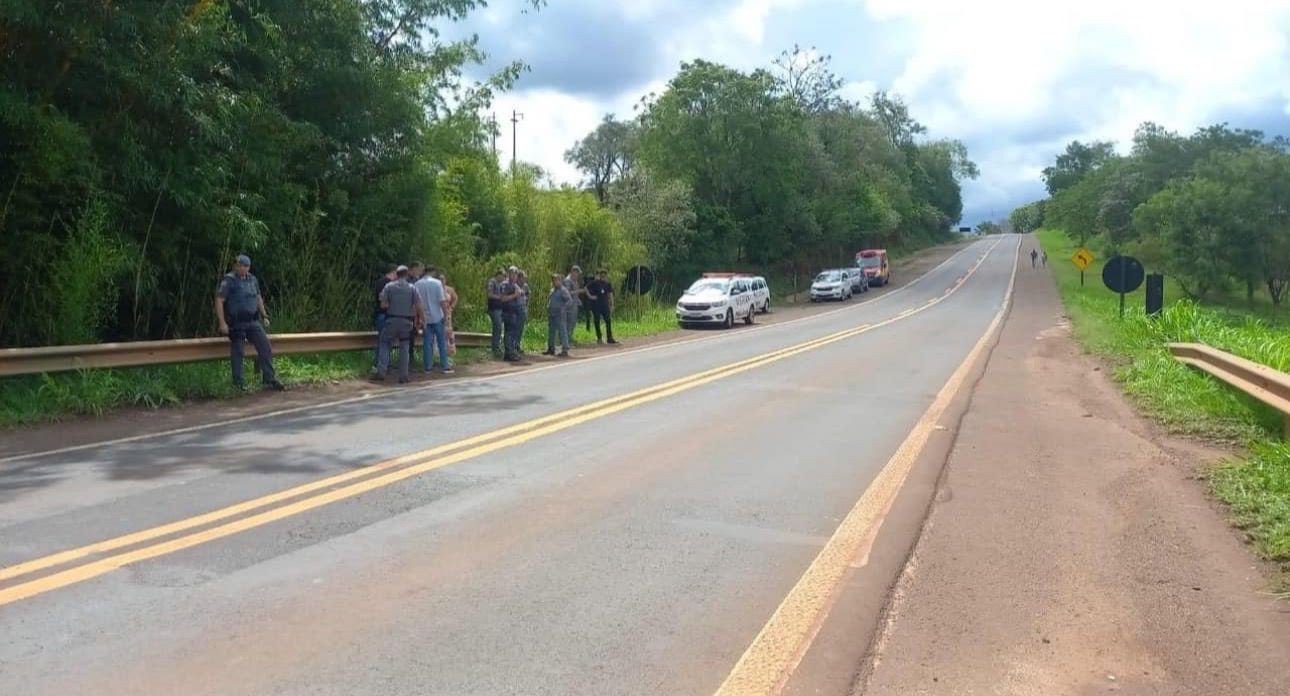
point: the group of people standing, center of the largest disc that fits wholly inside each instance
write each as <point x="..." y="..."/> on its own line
<point x="417" y="300"/>
<point x="509" y="293"/>
<point x="412" y="299"/>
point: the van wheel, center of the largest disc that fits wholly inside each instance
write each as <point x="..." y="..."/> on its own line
<point x="749" y="319"/>
<point x="730" y="319"/>
<point x="766" y="308"/>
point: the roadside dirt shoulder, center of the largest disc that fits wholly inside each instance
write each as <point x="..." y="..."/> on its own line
<point x="1070" y="550"/>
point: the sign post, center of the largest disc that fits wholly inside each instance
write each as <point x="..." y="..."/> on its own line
<point x="640" y="280"/>
<point x="1123" y="274"/>
<point x="1082" y="259"/>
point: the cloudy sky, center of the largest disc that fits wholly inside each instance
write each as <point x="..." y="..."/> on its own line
<point x="1014" y="79"/>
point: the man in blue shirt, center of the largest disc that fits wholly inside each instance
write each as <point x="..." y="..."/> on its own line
<point x="239" y="307"/>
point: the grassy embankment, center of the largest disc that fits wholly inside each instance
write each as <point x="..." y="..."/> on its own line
<point x="1256" y="487"/>
<point x="41" y="398"/>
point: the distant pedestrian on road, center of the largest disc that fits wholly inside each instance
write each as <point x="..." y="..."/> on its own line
<point x="239" y="308"/>
<point x="1044" y="256"/>
<point x="434" y="303"/>
<point x="573" y="283"/>
<point x="378" y="314"/>
<point x="494" y="291"/>
<point x="403" y="312"/>
<point x="557" y="316"/>
<point x="600" y="294"/>
<point x="1034" y="257"/>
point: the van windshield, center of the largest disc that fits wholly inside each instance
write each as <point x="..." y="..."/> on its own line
<point x="869" y="262"/>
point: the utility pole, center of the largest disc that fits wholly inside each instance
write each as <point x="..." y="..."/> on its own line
<point x="515" y="120"/>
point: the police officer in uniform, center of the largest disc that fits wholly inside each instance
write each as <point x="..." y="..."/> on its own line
<point x="239" y="307"/>
<point x="403" y="314"/>
<point x="510" y="297"/>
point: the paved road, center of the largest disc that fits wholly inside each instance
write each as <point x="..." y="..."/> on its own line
<point x="617" y="525"/>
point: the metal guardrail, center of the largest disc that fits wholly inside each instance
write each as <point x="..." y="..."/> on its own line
<point x="1270" y="386"/>
<point x="29" y="361"/>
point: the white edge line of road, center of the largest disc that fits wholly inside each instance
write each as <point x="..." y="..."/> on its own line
<point x="470" y="380"/>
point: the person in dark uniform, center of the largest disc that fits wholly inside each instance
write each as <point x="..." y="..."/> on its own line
<point x="573" y="283"/>
<point x="378" y="313"/>
<point x="600" y="298"/>
<point x="510" y="298"/>
<point x="239" y="307"/>
<point x="495" y="314"/>
<point x="404" y="314"/>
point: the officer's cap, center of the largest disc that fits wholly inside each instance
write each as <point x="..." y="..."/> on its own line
<point x="401" y="269"/>
<point x="244" y="260"/>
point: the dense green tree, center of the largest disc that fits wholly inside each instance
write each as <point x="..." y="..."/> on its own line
<point x="784" y="174"/>
<point x="1077" y="162"/>
<point x="300" y="131"/>
<point x="1027" y="218"/>
<point x="1212" y="208"/>
<point x="605" y="155"/>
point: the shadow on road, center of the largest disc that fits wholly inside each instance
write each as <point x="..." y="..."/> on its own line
<point x="234" y="449"/>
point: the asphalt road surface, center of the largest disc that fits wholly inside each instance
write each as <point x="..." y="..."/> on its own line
<point x="669" y="520"/>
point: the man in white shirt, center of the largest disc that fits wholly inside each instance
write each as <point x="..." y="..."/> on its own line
<point x="435" y="301"/>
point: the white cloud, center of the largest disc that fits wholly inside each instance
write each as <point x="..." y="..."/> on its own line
<point x="1014" y="79"/>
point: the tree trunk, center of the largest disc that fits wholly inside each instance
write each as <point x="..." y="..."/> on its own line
<point x="1276" y="290"/>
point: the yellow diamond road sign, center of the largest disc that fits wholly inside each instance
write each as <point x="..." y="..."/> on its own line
<point x="1082" y="258"/>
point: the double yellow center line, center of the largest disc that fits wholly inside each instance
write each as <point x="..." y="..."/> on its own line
<point x="90" y="562"/>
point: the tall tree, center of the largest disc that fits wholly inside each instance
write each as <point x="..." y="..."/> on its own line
<point x="605" y="155"/>
<point x="890" y="111"/>
<point x="1077" y="162"/>
<point x="806" y="77"/>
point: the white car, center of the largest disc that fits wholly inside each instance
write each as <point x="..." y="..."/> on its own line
<point x="761" y="294"/>
<point x="831" y="285"/>
<point x="719" y="300"/>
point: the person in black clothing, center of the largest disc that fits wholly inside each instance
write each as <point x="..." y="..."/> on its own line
<point x="378" y="312"/>
<point x="600" y="295"/>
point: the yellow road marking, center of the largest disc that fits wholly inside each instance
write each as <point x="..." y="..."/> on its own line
<point x="415" y="464"/>
<point x="281" y="496"/>
<point x="780" y="645"/>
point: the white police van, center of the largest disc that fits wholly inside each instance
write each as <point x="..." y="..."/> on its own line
<point x="721" y="299"/>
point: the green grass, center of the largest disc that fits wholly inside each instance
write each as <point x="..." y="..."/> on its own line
<point x="42" y="398"/>
<point x="1256" y="487"/>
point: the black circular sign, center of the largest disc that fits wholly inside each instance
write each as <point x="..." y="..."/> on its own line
<point x="1123" y="274"/>
<point x="639" y="280"/>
